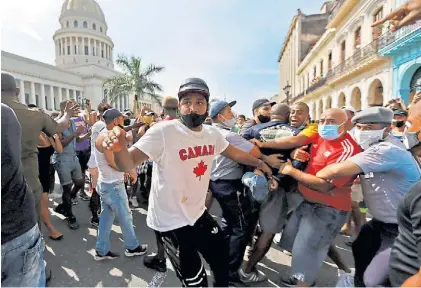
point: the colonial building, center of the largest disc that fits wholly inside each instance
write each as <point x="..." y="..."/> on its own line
<point x="83" y="61"/>
<point x="343" y="67"/>
<point x="404" y="47"/>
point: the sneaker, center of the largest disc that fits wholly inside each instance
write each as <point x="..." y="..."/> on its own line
<point x="253" y="277"/>
<point x="291" y="281"/>
<point x="110" y="256"/>
<point x="72" y="223"/>
<point x="95" y="222"/>
<point x="152" y="262"/>
<point x="277" y="238"/>
<point x="74" y="201"/>
<point x="139" y="251"/>
<point x="60" y="210"/>
<point x="133" y="201"/>
<point x="84" y="196"/>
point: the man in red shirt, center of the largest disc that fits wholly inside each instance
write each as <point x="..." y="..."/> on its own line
<point x="326" y="206"/>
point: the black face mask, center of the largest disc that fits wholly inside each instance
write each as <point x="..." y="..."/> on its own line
<point x="398" y="124"/>
<point x="126" y="122"/>
<point x="263" y="119"/>
<point x="193" y="120"/>
<point x="121" y="126"/>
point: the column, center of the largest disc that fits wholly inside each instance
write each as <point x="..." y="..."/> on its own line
<point x="60" y="95"/>
<point x="77" y="45"/>
<point x="32" y="98"/>
<point x="71" y="45"/>
<point x="89" y="46"/>
<point x="42" y="103"/>
<point x="51" y="99"/>
<point x="22" y="91"/>
<point x="67" y="94"/>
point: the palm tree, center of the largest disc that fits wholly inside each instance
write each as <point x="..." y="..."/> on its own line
<point x="134" y="79"/>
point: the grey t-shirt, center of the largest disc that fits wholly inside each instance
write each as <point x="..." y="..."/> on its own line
<point x="223" y="167"/>
<point x="389" y="172"/>
<point x="17" y="201"/>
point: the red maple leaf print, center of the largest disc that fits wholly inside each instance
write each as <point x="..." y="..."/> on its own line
<point x="200" y="169"/>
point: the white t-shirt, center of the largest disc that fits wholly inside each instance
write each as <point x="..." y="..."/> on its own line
<point x="181" y="171"/>
<point x="96" y="129"/>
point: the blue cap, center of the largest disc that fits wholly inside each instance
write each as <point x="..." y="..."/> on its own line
<point x="258" y="186"/>
<point x="217" y="107"/>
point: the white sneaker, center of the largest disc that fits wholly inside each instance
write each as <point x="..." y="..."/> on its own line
<point x="133" y="201"/>
<point x="277" y="238"/>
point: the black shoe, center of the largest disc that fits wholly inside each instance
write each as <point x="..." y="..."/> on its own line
<point x="74" y="201"/>
<point x="84" y="196"/>
<point x="110" y="256"/>
<point x="95" y="221"/>
<point x="152" y="262"/>
<point x="291" y="281"/>
<point x="60" y="210"/>
<point x="48" y="276"/>
<point x="72" y="223"/>
<point x="139" y="251"/>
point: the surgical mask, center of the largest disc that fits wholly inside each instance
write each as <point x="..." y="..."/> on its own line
<point x="329" y="132"/>
<point x="263" y="119"/>
<point x="410" y="139"/>
<point x="147" y="119"/>
<point x="229" y="122"/>
<point x="368" y="137"/>
<point x="398" y="124"/>
<point x="193" y="120"/>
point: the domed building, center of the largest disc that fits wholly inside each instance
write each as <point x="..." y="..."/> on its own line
<point x="83" y="61"/>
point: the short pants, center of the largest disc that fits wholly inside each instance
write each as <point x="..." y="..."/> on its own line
<point x="68" y="171"/>
<point x="273" y="212"/>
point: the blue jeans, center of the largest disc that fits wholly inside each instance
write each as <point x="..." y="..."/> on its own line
<point x="308" y="234"/>
<point x="114" y="202"/>
<point x="22" y="261"/>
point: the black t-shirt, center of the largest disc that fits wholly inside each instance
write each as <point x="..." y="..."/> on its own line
<point x="18" y="213"/>
<point x="405" y="259"/>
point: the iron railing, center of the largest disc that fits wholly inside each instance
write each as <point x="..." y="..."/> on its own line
<point x="390" y="37"/>
<point x="316" y="85"/>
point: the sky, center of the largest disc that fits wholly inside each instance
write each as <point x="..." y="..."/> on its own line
<point x="232" y="44"/>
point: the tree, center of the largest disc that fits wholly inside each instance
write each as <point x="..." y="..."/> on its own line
<point x="134" y="79"/>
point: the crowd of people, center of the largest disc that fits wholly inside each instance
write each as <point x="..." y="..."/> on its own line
<point x="278" y="177"/>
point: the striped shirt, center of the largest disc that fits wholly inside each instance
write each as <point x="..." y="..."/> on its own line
<point x="323" y="153"/>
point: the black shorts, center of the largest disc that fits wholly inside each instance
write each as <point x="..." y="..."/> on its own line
<point x="83" y="157"/>
<point x="184" y="244"/>
<point x="46" y="177"/>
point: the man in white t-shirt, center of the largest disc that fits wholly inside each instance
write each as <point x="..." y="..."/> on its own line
<point x="183" y="151"/>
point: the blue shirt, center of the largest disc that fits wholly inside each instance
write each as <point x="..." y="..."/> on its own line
<point x="69" y="151"/>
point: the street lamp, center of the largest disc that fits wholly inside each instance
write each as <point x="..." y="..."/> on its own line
<point x="287" y="89"/>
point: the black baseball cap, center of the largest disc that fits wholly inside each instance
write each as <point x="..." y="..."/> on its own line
<point x="400" y="113"/>
<point x="261" y="102"/>
<point x="111" y="114"/>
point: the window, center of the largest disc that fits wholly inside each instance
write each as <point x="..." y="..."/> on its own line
<point x="46" y="103"/>
<point x="75" y="24"/>
<point x="59" y="48"/>
<point x="93" y="51"/>
<point x="55" y="104"/>
<point x="357" y="39"/>
<point x="85" y="24"/>
<point x="321" y="68"/>
<point x="68" y="50"/>
<point x="67" y="24"/>
<point x="343" y="47"/>
<point x="102" y="53"/>
<point x="377" y="31"/>
<point x="314" y="72"/>
<point x="86" y="50"/>
<point x="94" y="26"/>
<point x="329" y="63"/>
<point x="75" y="49"/>
<point x="100" y="29"/>
<point x="36" y="100"/>
<point x="27" y="98"/>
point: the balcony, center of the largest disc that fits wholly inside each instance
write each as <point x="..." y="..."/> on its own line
<point x="393" y="42"/>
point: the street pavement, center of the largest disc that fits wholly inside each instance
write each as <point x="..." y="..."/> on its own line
<point x="72" y="263"/>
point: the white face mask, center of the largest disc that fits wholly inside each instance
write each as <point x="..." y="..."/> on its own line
<point x="229" y="122"/>
<point x="410" y="139"/>
<point x="368" y="137"/>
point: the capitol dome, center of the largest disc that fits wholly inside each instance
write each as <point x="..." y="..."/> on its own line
<point x="82" y="8"/>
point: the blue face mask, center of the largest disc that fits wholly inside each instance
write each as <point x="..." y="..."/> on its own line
<point x="329" y="132"/>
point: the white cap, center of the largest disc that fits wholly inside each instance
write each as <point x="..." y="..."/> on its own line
<point x="349" y="108"/>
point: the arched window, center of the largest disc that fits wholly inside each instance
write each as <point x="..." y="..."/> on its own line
<point x="100" y="29"/>
<point x="357" y="38"/>
<point x="94" y="26"/>
<point x="75" y="23"/>
<point x="85" y="24"/>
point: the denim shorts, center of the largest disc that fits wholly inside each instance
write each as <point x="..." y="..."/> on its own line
<point x="68" y="171"/>
<point x="22" y="261"/>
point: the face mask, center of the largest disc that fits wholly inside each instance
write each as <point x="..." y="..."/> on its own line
<point x="368" y="137"/>
<point x="121" y="126"/>
<point x="147" y="119"/>
<point x="410" y="139"/>
<point x="263" y="119"/>
<point x="398" y="124"/>
<point x="193" y="120"/>
<point x="329" y="132"/>
<point x="229" y="123"/>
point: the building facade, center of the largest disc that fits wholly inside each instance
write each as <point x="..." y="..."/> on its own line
<point x="83" y="62"/>
<point x="404" y="47"/>
<point x="344" y="67"/>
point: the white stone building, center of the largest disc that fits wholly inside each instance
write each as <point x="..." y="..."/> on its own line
<point x="83" y="61"/>
<point x="343" y="67"/>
